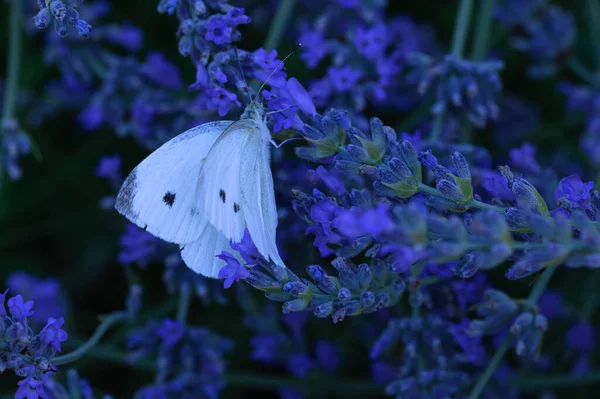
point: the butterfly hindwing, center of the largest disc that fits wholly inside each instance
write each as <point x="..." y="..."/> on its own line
<point x="201" y="255"/>
<point x="259" y="201"/>
<point x="219" y="192"/>
<point x="159" y="195"/>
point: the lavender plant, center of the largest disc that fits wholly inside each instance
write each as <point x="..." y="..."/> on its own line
<point x="425" y="207"/>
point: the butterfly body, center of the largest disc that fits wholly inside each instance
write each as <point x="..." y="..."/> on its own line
<point x="203" y="188"/>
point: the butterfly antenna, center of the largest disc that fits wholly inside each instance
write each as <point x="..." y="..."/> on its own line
<point x="246" y="88"/>
<point x="277" y="68"/>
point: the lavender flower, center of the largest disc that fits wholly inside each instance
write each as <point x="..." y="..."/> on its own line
<point x="62" y="13"/>
<point x="29" y="355"/>
<point x="190" y="359"/>
<point x="461" y="86"/>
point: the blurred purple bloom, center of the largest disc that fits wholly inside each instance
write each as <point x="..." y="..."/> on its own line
<point x="551" y="304"/>
<point x="45" y="293"/>
<point x="300" y="364"/>
<point x="575" y="191"/>
<point x="232" y="271"/>
<point x="523" y="159"/>
<point x="218" y="31"/>
<point x="581" y="336"/>
<point x="343" y="78"/>
<point x="328" y="355"/>
<point x="137" y="246"/>
<point x="171" y="332"/>
<point x="53" y="334"/>
<point x="356" y="222"/>
<point x="19" y="309"/>
<point x="161" y="71"/>
<point x="30" y="388"/>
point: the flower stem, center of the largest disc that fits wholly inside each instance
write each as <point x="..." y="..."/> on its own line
<point x="593" y="12"/>
<point x="106" y="324"/>
<point x="579" y="69"/>
<point x="553" y="381"/>
<point x="280" y="23"/>
<point x="483" y="30"/>
<point x="14" y="61"/>
<point x="183" y="306"/>
<point x="461" y="27"/>
<point x="533" y="297"/>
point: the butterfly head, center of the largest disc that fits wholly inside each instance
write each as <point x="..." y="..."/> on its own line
<point x="254" y="111"/>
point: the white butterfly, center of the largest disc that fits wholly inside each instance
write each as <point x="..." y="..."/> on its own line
<point x="202" y="188"/>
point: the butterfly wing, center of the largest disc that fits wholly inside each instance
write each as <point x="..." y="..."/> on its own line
<point x="219" y="192"/>
<point x="200" y="255"/>
<point x="258" y="200"/>
<point x="159" y="195"/>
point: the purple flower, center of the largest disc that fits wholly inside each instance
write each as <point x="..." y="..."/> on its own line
<point x="218" y="31"/>
<point x="161" y="72"/>
<point x="109" y="168"/>
<point x="171" y="332"/>
<point x="328" y="355"/>
<point x="222" y="100"/>
<point x="137" y="246"/>
<point x="300" y="364"/>
<point x="314" y="47"/>
<point x="53" y="334"/>
<point x="2" y="308"/>
<point x="371" y="42"/>
<point x="551" y="304"/>
<point x="331" y="179"/>
<point x="357" y="222"/>
<point x="232" y="271"/>
<point x="575" y="191"/>
<point x="247" y="249"/>
<point x="523" y="158"/>
<point x="343" y="79"/>
<point x="20" y="311"/>
<point x="581" y="336"/>
<point x="496" y="185"/>
<point x="30" y="388"/>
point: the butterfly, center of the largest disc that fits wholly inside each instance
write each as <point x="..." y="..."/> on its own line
<point x="204" y="187"/>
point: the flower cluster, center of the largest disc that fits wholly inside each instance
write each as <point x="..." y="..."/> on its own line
<point x="367" y="52"/>
<point x="458" y="86"/>
<point x="61" y="15"/>
<point x="544" y="32"/>
<point x="27" y="354"/>
<point x="189" y="359"/>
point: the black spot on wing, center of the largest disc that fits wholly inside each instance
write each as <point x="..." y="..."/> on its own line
<point x="124" y="201"/>
<point x="194" y="211"/>
<point x="169" y="198"/>
<point x="236" y="207"/>
<point x="223" y="195"/>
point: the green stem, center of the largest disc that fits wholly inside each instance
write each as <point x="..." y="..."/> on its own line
<point x="461" y="27"/>
<point x="533" y="297"/>
<point x="553" y="381"/>
<point x="14" y="61"/>
<point x="472" y="204"/>
<point x="579" y="69"/>
<point x="280" y="24"/>
<point x="483" y="30"/>
<point x="309" y="384"/>
<point x="106" y="324"/>
<point x="593" y="12"/>
<point x="112" y="354"/>
<point x="183" y="306"/>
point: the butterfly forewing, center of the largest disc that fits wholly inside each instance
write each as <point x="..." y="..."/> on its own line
<point x="160" y="193"/>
